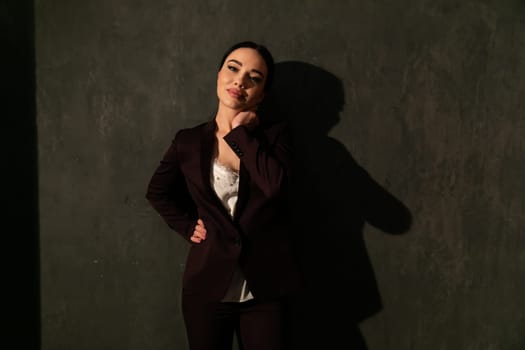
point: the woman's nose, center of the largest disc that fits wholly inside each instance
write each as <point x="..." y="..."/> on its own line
<point x="241" y="81"/>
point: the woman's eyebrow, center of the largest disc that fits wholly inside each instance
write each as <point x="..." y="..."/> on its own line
<point x="233" y="60"/>
<point x="240" y="64"/>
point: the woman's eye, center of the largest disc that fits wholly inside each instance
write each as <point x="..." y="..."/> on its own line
<point x="256" y="79"/>
<point x="233" y="69"/>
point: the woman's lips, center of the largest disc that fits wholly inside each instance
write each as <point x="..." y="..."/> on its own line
<point x="235" y="93"/>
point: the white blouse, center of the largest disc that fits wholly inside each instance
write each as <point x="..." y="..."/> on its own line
<point x="225" y="182"/>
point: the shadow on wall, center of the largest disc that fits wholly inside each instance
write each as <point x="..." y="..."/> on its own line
<point x="332" y="199"/>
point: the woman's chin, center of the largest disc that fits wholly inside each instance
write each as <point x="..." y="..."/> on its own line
<point x="236" y="105"/>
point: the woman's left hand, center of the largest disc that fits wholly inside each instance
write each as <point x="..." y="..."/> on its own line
<point x="246" y="118"/>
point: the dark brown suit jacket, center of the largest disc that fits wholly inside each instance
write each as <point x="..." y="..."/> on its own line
<point x="258" y="237"/>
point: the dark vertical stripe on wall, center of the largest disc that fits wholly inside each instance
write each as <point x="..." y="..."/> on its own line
<point x="20" y="247"/>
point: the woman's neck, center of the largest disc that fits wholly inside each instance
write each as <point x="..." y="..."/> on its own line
<point x="224" y="118"/>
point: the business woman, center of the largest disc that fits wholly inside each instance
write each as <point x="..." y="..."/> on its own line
<point x="223" y="186"/>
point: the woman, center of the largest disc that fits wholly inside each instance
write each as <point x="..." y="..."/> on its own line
<point x="223" y="186"/>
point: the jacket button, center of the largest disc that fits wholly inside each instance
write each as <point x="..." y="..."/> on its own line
<point x="237" y="241"/>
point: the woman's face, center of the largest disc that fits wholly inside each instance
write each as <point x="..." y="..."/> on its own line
<point x="241" y="79"/>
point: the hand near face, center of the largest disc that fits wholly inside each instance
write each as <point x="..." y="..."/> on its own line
<point x="246" y="118"/>
<point x="199" y="233"/>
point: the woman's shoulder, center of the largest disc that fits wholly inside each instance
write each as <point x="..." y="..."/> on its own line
<point x="276" y="130"/>
<point x="193" y="131"/>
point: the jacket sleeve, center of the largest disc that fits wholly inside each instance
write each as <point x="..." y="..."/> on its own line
<point x="168" y="194"/>
<point x="268" y="162"/>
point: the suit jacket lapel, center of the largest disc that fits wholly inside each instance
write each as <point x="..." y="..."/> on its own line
<point x="207" y="145"/>
<point x="242" y="195"/>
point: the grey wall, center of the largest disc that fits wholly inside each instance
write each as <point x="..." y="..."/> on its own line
<point x="433" y="111"/>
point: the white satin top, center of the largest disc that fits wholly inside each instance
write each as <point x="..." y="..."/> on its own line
<point x="225" y="182"/>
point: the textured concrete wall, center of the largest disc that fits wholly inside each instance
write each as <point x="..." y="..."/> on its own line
<point x="433" y="111"/>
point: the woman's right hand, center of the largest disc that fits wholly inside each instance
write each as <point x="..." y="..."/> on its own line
<point x="199" y="233"/>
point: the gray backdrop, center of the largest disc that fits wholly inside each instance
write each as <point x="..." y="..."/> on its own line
<point x="434" y="106"/>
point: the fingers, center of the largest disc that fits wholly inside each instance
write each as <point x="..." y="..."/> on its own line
<point x="199" y="232"/>
<point x="248" y="118"/>
<point x="251" y="114"/>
